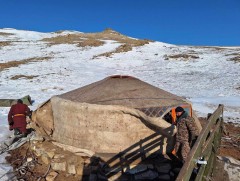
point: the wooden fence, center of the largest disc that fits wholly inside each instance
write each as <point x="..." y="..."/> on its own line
<point x="206" y="148"/>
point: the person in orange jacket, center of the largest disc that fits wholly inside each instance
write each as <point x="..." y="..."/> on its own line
<point x="17" y="117"/>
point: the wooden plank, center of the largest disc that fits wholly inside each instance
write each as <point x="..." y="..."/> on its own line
<point x="206" y="152"/>
<point x="216" y="144"/>
<point x="209" y="166"/>
<point x="202" y="170"/>
<point x="203" y="175"/>
<point x="196" y="151"/>
<point x="211" y="138"/>
<point x="206" y="170"/>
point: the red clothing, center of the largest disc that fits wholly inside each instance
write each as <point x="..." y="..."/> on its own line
<point x="17" y="115"/>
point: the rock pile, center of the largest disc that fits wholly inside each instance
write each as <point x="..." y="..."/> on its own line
<point x="41" y="159"/>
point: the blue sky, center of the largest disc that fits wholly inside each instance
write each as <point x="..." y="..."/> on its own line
<point x="185" y="22"/>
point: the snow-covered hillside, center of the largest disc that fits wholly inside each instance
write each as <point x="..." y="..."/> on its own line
<point x="204" y="75"/>
<point x="45" y="64"/>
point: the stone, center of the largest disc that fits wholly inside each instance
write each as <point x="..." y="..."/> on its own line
<point x="148" y="175"/>
<point x="101" y="177"/>
<point x="29" y="159"/>
<point x="37" y="138"/>
<point x="58" y="166"/>
<point x="71" y="169"/>
<point x="57" y="156"/>
<point x="119" y="177"/>
<point x="150" y="166"/>
<point x="68" y="175"/>
<point x="136" y="169"/>
<point x="50" y="154"/>
<point x="38" y="151"/>
<point x="164" y="168"/>
<point x="45" y="159"/>
<point x="229" y="160"/>
<point x="117" y="169"/>
<point x="72" y="163"/>
<point x="164" y="177"/>
<point x="115" y="176"/>
<point x="79" y="169"/>
<point x="73" y="160"/>
<point x="51" y="176"/>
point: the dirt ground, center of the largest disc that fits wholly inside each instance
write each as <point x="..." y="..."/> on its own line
<point x="219" y="174"/>
<point x="230" y="142"/>
<point x="230" y="146"/>
<point x="39" y="171"/>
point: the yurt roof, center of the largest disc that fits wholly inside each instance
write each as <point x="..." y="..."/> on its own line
<point x="123" y="90"/>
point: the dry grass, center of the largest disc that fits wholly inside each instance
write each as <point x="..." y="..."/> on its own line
<point x="192" y="52"/>
<point x="90" y="42"/>
<point x="128" y="43"/>
<point x="79" y="37"/>
<point x="94" y="39"/>
<point x="181" y="56"/>
<point x="59" y="32"/>
<point x="5" y="34"/>
<point x="23" y="76"/>
<point x="4" y="43"/>
<point x="235" y="59"/>
<point x="211" y="47"/>
<point x="21" y="62"/>
<point x="233" y="54"/>
<point x="218" y="48"/>
<point x="125" y="47"/>
<point x="64" y="39"/>
<point x="122" y="48"/>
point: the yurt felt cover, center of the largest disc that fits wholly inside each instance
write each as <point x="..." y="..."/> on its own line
<point x="123" y="90"/>
<point x="108" y="116"/>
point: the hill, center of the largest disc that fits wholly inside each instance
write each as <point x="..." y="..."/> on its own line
<point x="45" y="64"/>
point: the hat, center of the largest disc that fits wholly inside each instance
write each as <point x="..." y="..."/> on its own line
<point x="20" y="101"/>
<point x="179" y="109"/>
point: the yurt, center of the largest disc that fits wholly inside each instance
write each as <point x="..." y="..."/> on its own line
<point x="111" y="116"/>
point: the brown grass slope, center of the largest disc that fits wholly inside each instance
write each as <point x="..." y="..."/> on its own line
<point x="97" y="39"/>
<point x="5" y="34"/>
<point x="4" y="43"/>
<point x="21" y="62"/>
